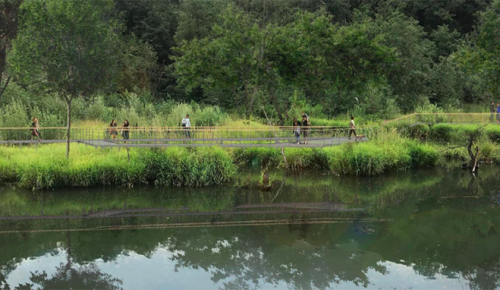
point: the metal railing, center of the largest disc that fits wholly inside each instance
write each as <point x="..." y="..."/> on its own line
<point x="445" y="118"/>
<point x="271" y="136"/>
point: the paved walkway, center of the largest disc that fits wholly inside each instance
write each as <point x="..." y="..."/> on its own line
<point x="233" y="142"/>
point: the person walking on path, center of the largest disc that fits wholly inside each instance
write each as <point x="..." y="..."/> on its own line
<point x="498" y="113"/>
<point x="352" y="128"/>
<point x="35" y="129"/>
<point x="125" y="130"/>
<point x="307" y="118"/>
<point x="186" y="124"/>
<point x="296" y="130"/>
<point x="305" y="130"/>
<point x="493" y="109"/>
<point x="112" y="129"/>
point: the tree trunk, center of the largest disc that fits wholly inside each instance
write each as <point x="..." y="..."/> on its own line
<point x="2" y="67"/>
<point x="2" y="89"/>
<point x="68" y="128"/>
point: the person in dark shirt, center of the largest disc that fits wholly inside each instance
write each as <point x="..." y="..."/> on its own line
<point x="305" y="130"/>
<point x="112" y="129"/>
<point x="125" y="130"/>
<point x="498" y="113"/>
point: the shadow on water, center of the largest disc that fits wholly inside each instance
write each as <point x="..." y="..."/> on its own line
<point x="309" y="231"/>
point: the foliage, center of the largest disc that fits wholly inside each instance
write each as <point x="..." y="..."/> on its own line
<point x="259" y="65"/>
<point x="8" y="30"/>
<point x="46" y="167"/>
<point x="71" y="47"/>
<point x="481" y="55"/>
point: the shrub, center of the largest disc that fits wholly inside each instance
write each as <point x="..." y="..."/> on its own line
<point x="422" y="154"/>
<point x="418" y="131"/>
<point x="264" y="156"/>
<point x="441" y="133"/>
<point x="14" y="115"/>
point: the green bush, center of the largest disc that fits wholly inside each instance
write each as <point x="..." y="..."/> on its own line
<point x="15" y="116"/>
<point x="422" y="154"/>
<point x="493" y="132"/>
<point x="187" y="167"/>
<point x="441" y="133"/>
<point x="418" y="131"/>
<point x="368" y="158"/>
<point x="264" y="156"/>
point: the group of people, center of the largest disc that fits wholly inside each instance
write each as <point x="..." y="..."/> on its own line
<point x="495" y="109"/>
<point x="297" y="125"/>
<point x="124" y="130"/>
<point x="300" y="128"/>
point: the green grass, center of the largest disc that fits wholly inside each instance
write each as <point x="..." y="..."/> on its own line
<point x="47" y="167"/>
<point x="387" y="151"/>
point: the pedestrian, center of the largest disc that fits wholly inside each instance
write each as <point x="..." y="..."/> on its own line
<point x="352" y="128"/>
<point x="125" y="131"/>
<point x="307" y="118"/>
<point x="305" y="130"/>
<point x="35" y="129"/>
<point x="498" y="113"/>
<point x="493" y="109"/>
<point x="112" y="129"/>
<point x="296" y="130"/>
<point x="186" y="124"/>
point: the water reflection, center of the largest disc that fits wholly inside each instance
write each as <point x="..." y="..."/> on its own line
<point x="428" y="230"/>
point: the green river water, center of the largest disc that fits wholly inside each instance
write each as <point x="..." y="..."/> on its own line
<point x="424" y="229"/>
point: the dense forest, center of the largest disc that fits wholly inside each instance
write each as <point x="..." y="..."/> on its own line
<point x="246" y="57"/>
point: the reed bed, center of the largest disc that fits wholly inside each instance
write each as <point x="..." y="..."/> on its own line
<point x="47" y="167"/>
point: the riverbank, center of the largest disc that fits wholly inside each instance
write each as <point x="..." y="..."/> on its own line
<point x="47" y="167"/>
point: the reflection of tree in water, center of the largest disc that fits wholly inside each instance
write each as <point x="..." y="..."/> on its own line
<point x="303" y="258"/>
<point x="69" y="276"/>
<point x="487" y="277"/>
<point x="3" y="283"/>
<point x="82" y="277"/>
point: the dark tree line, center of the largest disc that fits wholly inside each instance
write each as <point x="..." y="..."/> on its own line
<point x="375" y="56"/>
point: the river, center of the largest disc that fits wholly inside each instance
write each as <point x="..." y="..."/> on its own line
<point x="422" y="229"/>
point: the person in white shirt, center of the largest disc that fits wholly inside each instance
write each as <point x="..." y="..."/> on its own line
<point x="352" y="128"/>
<point x="296" y="130"/>
<point x="186" y="124"/>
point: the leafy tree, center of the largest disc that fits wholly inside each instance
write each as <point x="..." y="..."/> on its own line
<point x="259" y="65"/>
<point x="138" y="65"/>
<point x="197" y="17"/>
<point x="225" y="62"/>
<point x="71" y="47"/>
<point x="481" y="56"/>
<point x="9" y="14"/>
<point x="408" y="76"/>
<point x="445" y="40"/>
<point x="152" y="21"/>
<point x="459" y="15"/>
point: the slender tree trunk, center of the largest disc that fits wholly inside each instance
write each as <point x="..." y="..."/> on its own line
<point x="68" y="128"/>
<point x="2" y="68"/>
<point x="2" y="89"/>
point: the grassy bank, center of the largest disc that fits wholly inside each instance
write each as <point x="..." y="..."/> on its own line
<point x="387" y="151"/>
<point x="48" y="168"/>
